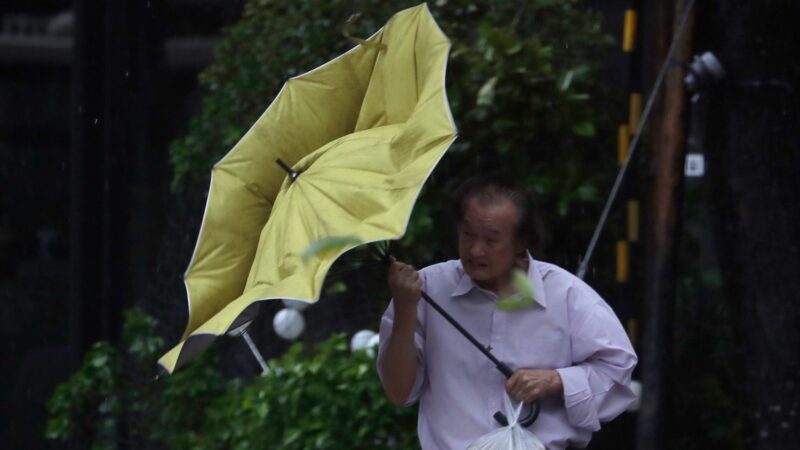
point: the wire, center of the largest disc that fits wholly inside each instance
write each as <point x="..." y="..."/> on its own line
<point x="581" y="272"/>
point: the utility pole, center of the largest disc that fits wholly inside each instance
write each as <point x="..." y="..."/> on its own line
<point x="665" y="178"/>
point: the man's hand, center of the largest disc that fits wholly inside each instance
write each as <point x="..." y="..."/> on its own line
<point x="528" y="385"/>
<point x="399" y="363"/>
<point x="405" y="285"/>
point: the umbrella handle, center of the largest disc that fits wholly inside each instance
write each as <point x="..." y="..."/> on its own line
<point x="534" y="408"/>
<point x="526" y="421"/>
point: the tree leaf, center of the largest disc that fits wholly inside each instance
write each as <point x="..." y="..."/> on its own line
<point x="585" y="129"/>
<point x="566" y="80"/>
<point x="524" y="298"/>
<point x="486" y="92"/>
<point x="330" y="244"/>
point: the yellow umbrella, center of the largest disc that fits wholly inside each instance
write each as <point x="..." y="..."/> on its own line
<point x="361" y="134"/>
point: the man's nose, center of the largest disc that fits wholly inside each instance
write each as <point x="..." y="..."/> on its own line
<point x="477" y="248"/>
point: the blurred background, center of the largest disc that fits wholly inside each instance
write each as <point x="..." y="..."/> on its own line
<point x="112" y="113"/>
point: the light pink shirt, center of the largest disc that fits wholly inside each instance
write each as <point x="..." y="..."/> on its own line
<point x="572" y="330"/>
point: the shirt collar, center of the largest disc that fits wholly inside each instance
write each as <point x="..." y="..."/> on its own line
<point x="535" y="276"/>
<point x="465" y="284"/>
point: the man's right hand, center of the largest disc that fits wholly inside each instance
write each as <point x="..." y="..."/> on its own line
<point x="399" y="362"/>
<point x="405" y="285"/>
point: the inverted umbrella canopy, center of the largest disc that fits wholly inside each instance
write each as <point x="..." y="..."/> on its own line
<point x="363" y="132"/>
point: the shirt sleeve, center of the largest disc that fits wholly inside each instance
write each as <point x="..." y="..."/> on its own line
<point x="596" y="386"/>
<point x="419" y="342"/>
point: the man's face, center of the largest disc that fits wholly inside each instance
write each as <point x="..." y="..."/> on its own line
<point x="487" y="244"/>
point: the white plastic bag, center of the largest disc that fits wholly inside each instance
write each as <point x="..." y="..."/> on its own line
<point x="512" y="437"/>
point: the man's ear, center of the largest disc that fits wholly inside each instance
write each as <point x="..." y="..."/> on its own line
<point x="522" y="248"/>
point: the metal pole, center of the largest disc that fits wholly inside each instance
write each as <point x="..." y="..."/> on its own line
<point x="255" y="352"/>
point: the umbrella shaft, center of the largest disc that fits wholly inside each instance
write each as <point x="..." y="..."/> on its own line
<point x="501" y="366"/>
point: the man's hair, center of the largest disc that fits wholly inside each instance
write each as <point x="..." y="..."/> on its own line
<point x="492" y="188"/>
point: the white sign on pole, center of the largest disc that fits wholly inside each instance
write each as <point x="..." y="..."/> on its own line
<point x="695" y="165"/>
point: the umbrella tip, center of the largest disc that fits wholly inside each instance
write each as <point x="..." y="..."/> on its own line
<point x="293" y="174"/>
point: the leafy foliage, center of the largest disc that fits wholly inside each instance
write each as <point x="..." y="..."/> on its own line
<point x="331" y="401"/>
<point x="325" y="398"/>
<point x="329" y="245"/>
<point x="88" y="406"/>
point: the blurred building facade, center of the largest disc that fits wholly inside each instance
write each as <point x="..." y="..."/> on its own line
<point x="91" y="93"/>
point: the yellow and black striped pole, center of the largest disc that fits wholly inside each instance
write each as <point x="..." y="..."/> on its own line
<point x="626" y="246"/>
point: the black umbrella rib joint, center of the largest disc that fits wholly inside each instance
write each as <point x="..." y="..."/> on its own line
<point x="293" y="174"/>
<point x="500" y="365"/>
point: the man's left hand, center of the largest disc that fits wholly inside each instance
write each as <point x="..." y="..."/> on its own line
<point x="528" y="385"/>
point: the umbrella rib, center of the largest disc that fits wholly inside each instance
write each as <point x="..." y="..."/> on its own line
<point x="334" y="200"/>
<point x="345" y="182"/>
<point x="360" y="220"/>
<point x="303" y="213"/>
<point x="245" y="184"/>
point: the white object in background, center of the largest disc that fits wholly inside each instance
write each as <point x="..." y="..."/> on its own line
<point x="695" y="165"/>
<point x="288" y="323"/>
<point x="360" y="340"/>
<point x="298" y="305"/>
<point x="373" y="344"/>
<point x="636" y="387"/>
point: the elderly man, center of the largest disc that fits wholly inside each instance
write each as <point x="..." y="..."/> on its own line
<point x="568" y="351"/>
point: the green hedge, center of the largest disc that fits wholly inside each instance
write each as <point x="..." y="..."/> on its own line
<point x="325" y="398"/>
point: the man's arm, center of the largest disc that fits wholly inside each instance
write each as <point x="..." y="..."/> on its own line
<point x="596" y="388"/>
<point x="398" y="363"/>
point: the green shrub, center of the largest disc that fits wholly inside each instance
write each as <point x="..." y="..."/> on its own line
<point x="333" y="400"/>
<point x="88" y="406"/>
<point x="326" y="398"/>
